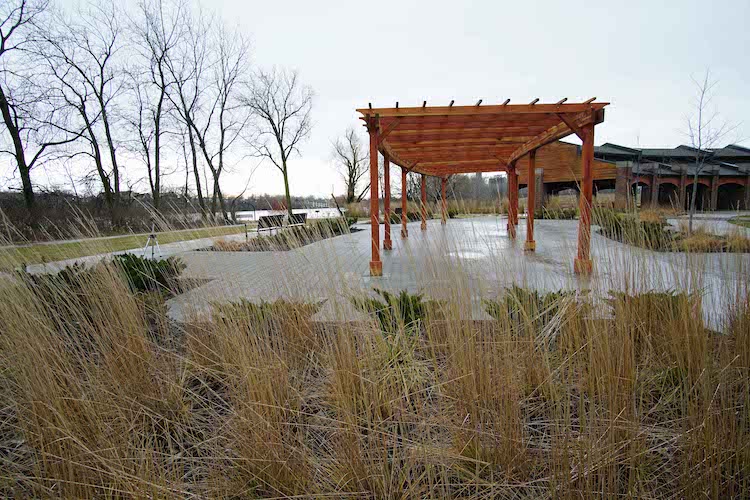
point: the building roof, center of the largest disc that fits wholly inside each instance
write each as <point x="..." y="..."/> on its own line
<point x="731" y="160"/>
<point x="732" y="151"/>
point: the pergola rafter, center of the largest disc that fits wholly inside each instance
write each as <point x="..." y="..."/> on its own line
<point x="445" y="140"/>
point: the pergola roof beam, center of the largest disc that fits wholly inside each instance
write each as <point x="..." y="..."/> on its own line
<point x="485" y="110"/>
<point x="556" y="133"/>
<point x="456" y="139"/>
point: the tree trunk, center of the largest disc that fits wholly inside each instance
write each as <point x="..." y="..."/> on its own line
<point x="286" y="189"/>
<point x="220" y="197"/>
<point x="23" y="170"/>
<point x="103" y="177"/>
<point x="156" y="188"/>
<point x="693" y="196"/>
<point x="115" y="193"/>
<point x="201" y="201"/>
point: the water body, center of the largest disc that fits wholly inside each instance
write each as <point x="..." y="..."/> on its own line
<point x="312" y="213"/>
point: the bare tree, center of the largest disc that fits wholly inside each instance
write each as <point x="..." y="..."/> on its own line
<point x="224" y="120"/>
<point x="158" y="29"/>
<point x="352" y="162"/>
<point x="81" y="56"/>
<point x="187" y="69"/>
<point x="705" y="129"/>
<point x="282" y="105"/>
<point x="31" y="117"/>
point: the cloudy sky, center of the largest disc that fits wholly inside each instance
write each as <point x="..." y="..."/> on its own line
<point x="638" y="55"/>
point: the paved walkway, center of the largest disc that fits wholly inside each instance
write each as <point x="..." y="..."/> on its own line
<point x="715" y="222"/>
<point x="166" y="250"/>
<point x="466" y="260"/>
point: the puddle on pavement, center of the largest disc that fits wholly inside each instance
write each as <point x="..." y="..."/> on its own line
<point x="468" y="254"/>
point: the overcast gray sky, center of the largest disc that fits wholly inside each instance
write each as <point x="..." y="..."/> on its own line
<point x="638" y="55"/>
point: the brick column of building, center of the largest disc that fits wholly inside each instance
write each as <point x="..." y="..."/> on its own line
<point x="622" y="185"/>
<point x="655" y="181"/>
<point x="714" y="191"/>
<point x="646" y="196"/>
<point x="540" y="194"/>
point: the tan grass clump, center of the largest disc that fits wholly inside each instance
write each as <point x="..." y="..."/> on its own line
<point x="565" y="395"/>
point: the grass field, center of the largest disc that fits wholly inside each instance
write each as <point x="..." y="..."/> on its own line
<point x="560" y="394"/>
<point x="40" y="253"/>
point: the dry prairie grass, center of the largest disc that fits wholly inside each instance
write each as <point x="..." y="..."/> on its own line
<point x="641" y="400"/>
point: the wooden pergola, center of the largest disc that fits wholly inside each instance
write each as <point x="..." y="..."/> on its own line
<point x="444" y="140"/>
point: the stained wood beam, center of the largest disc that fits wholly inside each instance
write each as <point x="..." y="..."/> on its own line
<point x="396" y="159"/>
<point x="468" y="122"/>
<point x="448" y="162"/>
<point x="389" y="128"/>
<point x="427" y="160"/>
<point x="572" y="126"/>
<point x="557" y="132"/>
<point x="484" y="110"/>
<point x="491" y="146"/>
<point x="466" y="130"/>
<point x="463" y="169"/>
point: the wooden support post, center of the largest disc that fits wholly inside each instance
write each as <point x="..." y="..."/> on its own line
<point x="512" y="201"/>
<point x="387" y="244"/>
<point x="424" y="202"/>
<point x="376" y="266"/>
<point x="404" y="213"/>
<point x="530" y="245"/>
<point x="582" y="264"/>
<point x="443" y="201"/>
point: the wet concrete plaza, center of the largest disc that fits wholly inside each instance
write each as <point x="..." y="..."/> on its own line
<point x="468" y="258"/>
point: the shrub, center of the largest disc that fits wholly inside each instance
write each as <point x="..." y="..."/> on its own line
<point x="411" y="216"/>
<point x="660" y="323"/>
<point x="486" y="207"/>
<point x="141" y="274"/>
<point x="147" y="275"/>
<point x="224" y="245"/>
<point x="630" y="228"/>
<point x="649" y="229"/>
<point x="263" y="314"/>
<point x="559" y="213"/>
<point x="288" y="238"/>
<point x="528" y="311"/>
<point x="405" y="310"/>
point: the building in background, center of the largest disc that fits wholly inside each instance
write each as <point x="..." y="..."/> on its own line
<point x="649" y="176"/>
<point x="664" y="177"/>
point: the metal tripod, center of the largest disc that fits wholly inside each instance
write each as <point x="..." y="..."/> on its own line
<point x="152" y="242"/>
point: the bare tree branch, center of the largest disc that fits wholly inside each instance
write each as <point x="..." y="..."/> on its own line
<point x="282" y="106"/>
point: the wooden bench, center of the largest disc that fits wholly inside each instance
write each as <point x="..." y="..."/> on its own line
<point x="297" y="219"/>
<point x="270" y="222"/>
